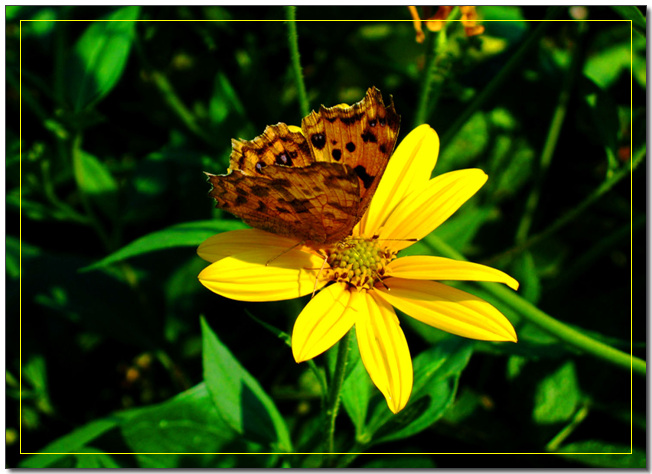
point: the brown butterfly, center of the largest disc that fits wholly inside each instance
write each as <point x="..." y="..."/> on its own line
<point x="313" y="183"/>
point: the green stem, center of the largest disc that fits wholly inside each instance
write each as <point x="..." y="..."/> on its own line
<point x="293" y="41"/>
<point x="579" y="416"/>
<point x="552" y="138"/>
<point x="549" y="324"/>
<point x="334" y="392"/>
<point x="576" y="211"/>
<point x="428" y="76"/>
<point x="498" y="80"/>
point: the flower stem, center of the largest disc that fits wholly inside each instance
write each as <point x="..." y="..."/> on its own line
<point x="293" y="41"/>
<point x="549" y="324"/>
<point x="551" y="140"/>
<point x="491" y="89"/>
<point x="333" y="403"/>
<point x="428" y="77"/>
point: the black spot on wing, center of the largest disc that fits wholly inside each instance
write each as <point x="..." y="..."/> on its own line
<point x="368" y="137"/>
<point x="366" y="178"/>
<point x="350" y="147"/>
<point x="318" y="140"/>
<point x="337" y="154"/>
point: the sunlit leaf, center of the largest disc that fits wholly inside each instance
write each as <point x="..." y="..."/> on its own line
<point x="187" y="423"/>
<point x="69" y="443"/>
<point x="96" y="182"/>
<point x="189" y="234"/>
<point x="557" y="396"/>
<point x="238" y="397"/>
<point x="99" y="57"/>
<point x="436" y="372"/>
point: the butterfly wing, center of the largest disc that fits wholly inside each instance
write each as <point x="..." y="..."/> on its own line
<point x="313" y="183"/>
<point x="362" y="137"/>
<point x="315" y="203"/>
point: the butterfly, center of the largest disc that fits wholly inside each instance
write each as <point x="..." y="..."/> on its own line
<point x="312" y="183"/>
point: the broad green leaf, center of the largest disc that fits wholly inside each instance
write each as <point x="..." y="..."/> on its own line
<point x="436" y="372"/>
<point x="557" y="396"/>
<point x="238" y="397"/>
<point x="187" y="423"/>
<point x="189" y="234"/>
<point x="96" y="182"/>
<point x="592" y="449"/>
<point x="91" y="458"/>
<point x="99" y="57"/>
<point x="69" y="443"/>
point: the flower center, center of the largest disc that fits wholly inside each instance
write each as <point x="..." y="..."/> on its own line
<point x="359" y="262"/>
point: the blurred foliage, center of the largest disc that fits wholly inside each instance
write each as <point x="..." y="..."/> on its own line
<point x="106" y="203"/>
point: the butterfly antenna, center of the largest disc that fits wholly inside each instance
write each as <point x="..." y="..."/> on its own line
<point x="298" y="244"/>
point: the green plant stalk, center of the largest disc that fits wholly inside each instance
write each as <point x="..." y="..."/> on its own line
<point x="549" y="324"/>
<point x="334" y="391"/>
<point x="551" y="139"/>
<point x="571" y="215"/>
<point x="579" y="416"/>
<point x="500" y="78"/>
<point x="293" y="42"/>
<point x="428" y="75"/>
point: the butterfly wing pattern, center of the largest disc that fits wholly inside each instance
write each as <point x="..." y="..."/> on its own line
<point x="313" y="183"/>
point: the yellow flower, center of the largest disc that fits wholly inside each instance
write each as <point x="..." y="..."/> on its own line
<point x="364" y="276"/>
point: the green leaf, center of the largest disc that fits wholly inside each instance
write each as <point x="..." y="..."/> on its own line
<point x="15" y="249"/>
<point x="96" y="182"/>
<point x="557" y="396"/>
<point x="69" y="443"/>
<point x="99" y="57"/>
<point x="92" y="458"/>
<point x="187" y="423"/>
<point x="622" y="459"/>
<point x="436" y="372"/>
<point x="238" y="397"/>
<point x="188" y="234"/>
<point x="631" y="12"/>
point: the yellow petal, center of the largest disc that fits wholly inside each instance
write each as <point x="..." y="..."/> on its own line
<point x="246" y="277"/>
<point x="409" y="168"/>
<point x="384" y="350"/>
<point x="425" y="209"/>
<point x="439" y="268"/>
<point x="448" y="309"/>
<point x="323" y="322"/>
<point x="237" y="241"/>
